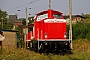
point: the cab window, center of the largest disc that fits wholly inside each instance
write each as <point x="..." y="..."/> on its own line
<point x="56" y="15"/>
<point x="43" y="16"/>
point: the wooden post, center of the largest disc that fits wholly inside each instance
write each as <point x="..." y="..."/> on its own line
<point x="70" y="12"/>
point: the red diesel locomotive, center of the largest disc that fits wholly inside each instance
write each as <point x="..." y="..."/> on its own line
<point x="49" y="32"/>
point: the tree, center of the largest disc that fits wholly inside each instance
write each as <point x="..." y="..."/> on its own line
<point x="3" y="18"/>
<point x="3" y="14"/>
<point x="23" y="21"/>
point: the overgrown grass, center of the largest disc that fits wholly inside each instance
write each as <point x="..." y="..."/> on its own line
<point x="81" y="51"/>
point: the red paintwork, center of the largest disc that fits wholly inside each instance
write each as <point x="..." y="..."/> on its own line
<point x="28" y="36"/>
<point x="55" y="30"/>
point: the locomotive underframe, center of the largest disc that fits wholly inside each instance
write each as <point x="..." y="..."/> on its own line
<point x="49" y="45"/>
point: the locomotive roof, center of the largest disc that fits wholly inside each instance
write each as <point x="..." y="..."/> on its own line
<point x="46" y="11"/>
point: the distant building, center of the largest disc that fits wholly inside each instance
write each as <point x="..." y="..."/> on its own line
<point x="14" y="19"/>
<point x="18" y="24"/>
<point x="75" y="18"/>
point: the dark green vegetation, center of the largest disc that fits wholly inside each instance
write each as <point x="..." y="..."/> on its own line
<point x="81" y="51"/>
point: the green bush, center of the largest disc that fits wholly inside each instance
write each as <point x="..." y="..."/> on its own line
<point x="80" y="30"/>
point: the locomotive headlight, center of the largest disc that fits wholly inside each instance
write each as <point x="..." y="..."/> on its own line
<point x="65" y="35"/>
<point x="45" y="35"/>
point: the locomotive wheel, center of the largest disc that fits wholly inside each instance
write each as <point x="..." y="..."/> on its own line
<point x="41" y="49"/>
<point x="31" y="48"/>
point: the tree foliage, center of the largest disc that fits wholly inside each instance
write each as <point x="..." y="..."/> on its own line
<point x="24" y="21"/>
<point x="3" y="18"/>
<point x="3" y="15"/>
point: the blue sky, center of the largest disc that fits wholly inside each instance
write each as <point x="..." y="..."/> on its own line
<point x="11" y="6"/>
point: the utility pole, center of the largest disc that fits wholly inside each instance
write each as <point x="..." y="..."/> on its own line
<point x="70" y="12"/>
<point x="49" y="4"/>
<point x="26" y="29"/>
<point x="26" y="16"/>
